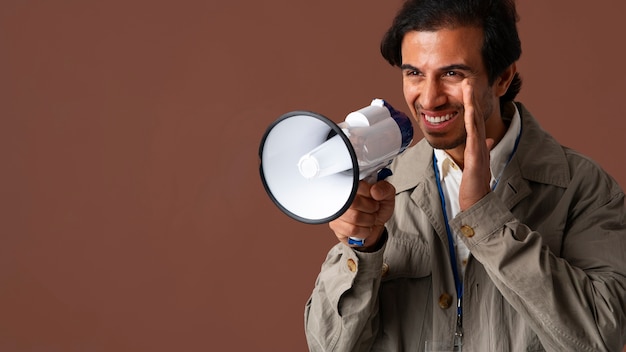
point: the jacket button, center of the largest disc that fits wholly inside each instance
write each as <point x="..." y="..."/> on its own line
<point x="384" y="270"/>
<point x="351" y="265"/>
<point x="467" y="231"/>
<point x="445" y="301"/>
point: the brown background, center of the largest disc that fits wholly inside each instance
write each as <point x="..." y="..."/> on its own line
<point x="132" y="215"/>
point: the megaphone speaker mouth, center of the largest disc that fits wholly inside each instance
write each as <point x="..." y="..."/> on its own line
<point x="306" y="187"/>
<point x="311" y="167"/>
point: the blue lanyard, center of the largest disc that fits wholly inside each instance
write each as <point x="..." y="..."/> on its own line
<point x="455" y="269"/>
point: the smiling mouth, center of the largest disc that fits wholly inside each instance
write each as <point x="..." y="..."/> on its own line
<point x="439" y="119"/>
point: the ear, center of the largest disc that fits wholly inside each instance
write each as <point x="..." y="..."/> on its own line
<point x="502" y="83"/>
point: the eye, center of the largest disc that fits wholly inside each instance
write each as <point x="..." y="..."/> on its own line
<point x="411" y="72"/>
<point x="453" y="75"/>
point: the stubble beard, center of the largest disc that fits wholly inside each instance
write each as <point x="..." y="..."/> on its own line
<point x="446" y="145"/>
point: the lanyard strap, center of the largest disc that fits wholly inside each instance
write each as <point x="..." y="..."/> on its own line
<point x="455" y="269"/>
<point x="453" y="259"/>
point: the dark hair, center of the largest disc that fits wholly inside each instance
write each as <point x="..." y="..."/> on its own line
<point x="497" y="18"/>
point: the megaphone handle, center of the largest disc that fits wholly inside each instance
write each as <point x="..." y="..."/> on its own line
<point x="381" y="175"/>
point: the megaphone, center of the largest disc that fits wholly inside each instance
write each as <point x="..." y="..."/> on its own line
<point x="311" y="167"/>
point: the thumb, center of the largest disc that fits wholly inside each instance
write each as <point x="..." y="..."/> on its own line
<point x="490" y="142"/>
<point x="382" y="191"/>
<point x="385" y="194"/>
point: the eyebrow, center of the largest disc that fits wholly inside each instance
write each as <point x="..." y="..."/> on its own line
<point x="457" y="67"/>
<point x="443" y="69"/>
<point x="408" y="67"/>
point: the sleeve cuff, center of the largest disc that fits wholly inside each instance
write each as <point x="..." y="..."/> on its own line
<point x="480" y="221"/>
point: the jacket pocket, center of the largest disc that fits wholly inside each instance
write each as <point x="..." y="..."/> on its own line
<point x="406" y="257"/>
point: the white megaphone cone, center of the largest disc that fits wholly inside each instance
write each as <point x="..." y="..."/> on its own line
<point x="311" y="167"/>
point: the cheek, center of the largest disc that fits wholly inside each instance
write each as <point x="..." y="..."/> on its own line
<point x="409" y="97"/>
<point x="410" y="91"/>
<point x="454" y="91"/>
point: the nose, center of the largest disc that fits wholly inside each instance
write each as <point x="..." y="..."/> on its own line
<point x="431" y="94"/>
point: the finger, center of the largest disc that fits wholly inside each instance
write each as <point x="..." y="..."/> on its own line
<point x="365" y="204"/>
<point x="363" y="188"/>
<point x="474" y="119"/>
<point x="468" y="104"/>
<point x="359" y="218"/>
<point x="343" y="230"/>
<point x="385" y="193"/>
<point x="477" y="143"/>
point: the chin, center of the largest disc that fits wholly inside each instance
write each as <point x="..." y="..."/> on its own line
<point x="445" y="144"/>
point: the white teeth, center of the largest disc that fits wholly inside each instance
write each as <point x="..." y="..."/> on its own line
<point x="438" y="119"/>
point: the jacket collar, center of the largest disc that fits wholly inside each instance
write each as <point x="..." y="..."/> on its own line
<point x="539" y="158"/>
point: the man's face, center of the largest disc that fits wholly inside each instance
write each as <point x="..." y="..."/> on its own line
<point x="433" y="66"/>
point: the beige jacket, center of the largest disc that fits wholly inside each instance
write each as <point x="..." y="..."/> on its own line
<point x="547" y="270"/>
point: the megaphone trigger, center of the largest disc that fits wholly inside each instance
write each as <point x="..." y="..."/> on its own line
<point x="383" y="174"/>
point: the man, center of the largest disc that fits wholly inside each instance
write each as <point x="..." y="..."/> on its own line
<point x="489" y="234"/>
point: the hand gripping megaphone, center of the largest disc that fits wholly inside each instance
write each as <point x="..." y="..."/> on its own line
<point x="311" y="167"/>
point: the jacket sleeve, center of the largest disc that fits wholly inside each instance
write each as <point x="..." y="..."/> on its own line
<point x="574" y="300"/>
<point x="342" y="312"/>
